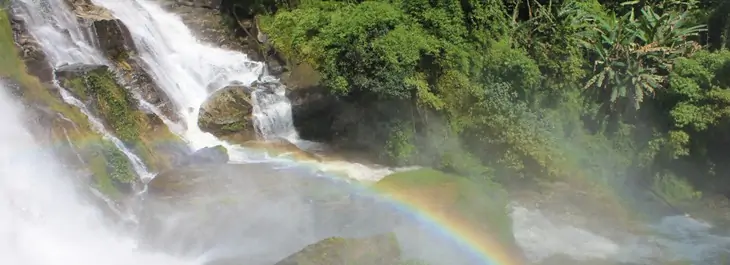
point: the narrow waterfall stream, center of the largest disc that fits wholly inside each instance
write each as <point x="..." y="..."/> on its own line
<point x="43" y="221"/>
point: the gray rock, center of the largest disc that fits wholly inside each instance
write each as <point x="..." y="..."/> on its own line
<point x="114" y="38"/>
<point x="227" y="111"/>
<point x="208" y="155"/>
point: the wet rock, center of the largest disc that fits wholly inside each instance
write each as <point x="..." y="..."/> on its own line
<point x="375" y="250"/>
<point x="207" y="23"/>
<point x="87" y="10"/>
<point x="114" y="38"/>
<point x="146" y="135"/>
<point x="208" y="155"/>
<point x="73" y="78"/>
<point x="35" y="59"/>
<point x="314" y="112"/>
<point x="116" y="43"/>
<point x="228" y="111"/>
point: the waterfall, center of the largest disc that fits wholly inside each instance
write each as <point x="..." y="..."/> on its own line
<point x="189" y="71"/>
<point x="55" y="27"/>
<point x="44" y="221"/>
<point x="61" y="37"/>
<point x="272" y="113"/>
<point x="43" y="218"/>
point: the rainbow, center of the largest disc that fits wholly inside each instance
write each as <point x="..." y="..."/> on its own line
<point x="486" y="249"/>
<point x="483" y="248"/>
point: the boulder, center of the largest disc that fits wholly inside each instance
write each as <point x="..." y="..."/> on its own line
<point x="114" y="38"/>
<point x="228" y="111"/>
<point x="208" y="155"/>
<point x="376" y="250"/>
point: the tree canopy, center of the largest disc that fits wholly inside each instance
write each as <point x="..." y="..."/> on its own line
<point x="626" y="91"/>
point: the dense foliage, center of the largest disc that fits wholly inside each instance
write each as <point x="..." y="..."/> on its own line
<point x="632" y="91"/>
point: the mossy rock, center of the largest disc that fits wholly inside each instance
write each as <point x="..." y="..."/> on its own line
<point x="68" y="128"/>
<point x="376" y="250"/>
<point x="113" y="173"/>
<point x="479" y="206"/>
<point x="145" y="134"/>
<point x="228" y="111"/>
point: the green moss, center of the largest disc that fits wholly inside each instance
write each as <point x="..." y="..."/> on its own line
<point x="234" y="127"/>
<point x="77" y="86"/>
<point x="114" y="103"/>
<point x="103" y="182"/>
<point x="111" y="168"/>
<point x="118" y="108"/>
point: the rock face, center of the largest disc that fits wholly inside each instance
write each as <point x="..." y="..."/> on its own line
<point x="145" y="134"/>
<point x="228" y="111"/>
<point x="115" y="41"/>
<point x="30" y="50"/>
<point x="313" y="112"/>
<point x="376" y="250"/>
<point x="207" y="23"/>
<point x="114" y="38"/>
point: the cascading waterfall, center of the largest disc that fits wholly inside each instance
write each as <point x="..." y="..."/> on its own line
<point x="56" y="28"/>
<point x="188" y="71"/>
<point x="272" y="113"/>
<point x="43" y="218"/>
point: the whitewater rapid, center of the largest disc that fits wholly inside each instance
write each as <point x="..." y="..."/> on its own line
<point x="44" y="219"/>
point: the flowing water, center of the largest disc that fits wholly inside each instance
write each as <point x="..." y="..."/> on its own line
<point x="44" y="221"/>
<point x="43" y="218"/>
<point x="57" y="30"/>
